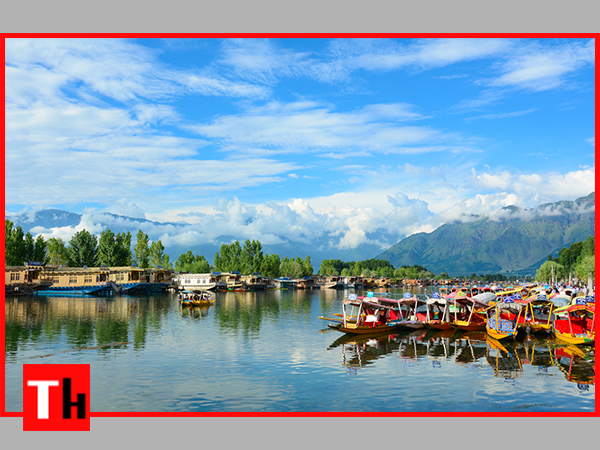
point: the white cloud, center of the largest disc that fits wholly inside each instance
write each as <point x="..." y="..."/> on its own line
<point x="311" y="127"/>
<point x="540" y="67"/>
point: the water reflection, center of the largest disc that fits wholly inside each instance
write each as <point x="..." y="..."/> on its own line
<point x="68" y="323"/>
<point x="508" y="360"/>
<point x="359" y="351"/>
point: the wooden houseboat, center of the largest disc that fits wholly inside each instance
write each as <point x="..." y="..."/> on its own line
<point x="333" y="282"/>
<point x="285" y="283"/>
<point x="203" y="281"/>
<point x="306" y="283"/>
<point x="255" y="282"/>
<point x="75" y="280"/>
<point x="26" y="279"/>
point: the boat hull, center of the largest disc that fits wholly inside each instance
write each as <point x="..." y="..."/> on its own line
<point x="576" y="339"/>
<point x="468" y="326"/>
<point x="439" y="326"/>
<point x="197" y="303"/>
<point x="364" y="329"/>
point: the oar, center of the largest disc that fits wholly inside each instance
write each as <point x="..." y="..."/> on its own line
<point x="334" y="320"/>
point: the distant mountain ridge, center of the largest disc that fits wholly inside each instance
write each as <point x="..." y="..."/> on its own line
<point x="517" y="242"/>
<point x="44" y="220"/>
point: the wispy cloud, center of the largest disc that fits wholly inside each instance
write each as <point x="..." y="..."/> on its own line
<point x="540" y="67"/>
<point x="504" y="115"/>
<point x="313" y="127"/>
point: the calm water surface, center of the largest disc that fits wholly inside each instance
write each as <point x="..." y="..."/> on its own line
<point x="270" y="352"/>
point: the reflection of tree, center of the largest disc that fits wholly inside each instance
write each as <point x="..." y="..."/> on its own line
<point x="84" y="322"/>
<point x="80" y="333"/>
<point x="245" y="311"/>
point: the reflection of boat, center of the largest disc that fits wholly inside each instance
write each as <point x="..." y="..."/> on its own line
<point x="538" y="352"/>
<point x="575" y="323"/>
<point x="577" y="364"/>
<point x="359" y="351"/>
<point x="504" y="359"/>
<point x="196" y="298"/>
<point x="412" y="346"/>
<point x="469" y="347"/>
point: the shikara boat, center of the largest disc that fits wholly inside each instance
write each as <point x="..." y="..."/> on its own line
<point x="196" y="298"/>
<point x="575" y="323"/>
<point x="466" y="312"/>
<point x="413" y="312"/>
<point x="367" y="315"/>
<point x="438" y="313"/>
<point x="539" y="311"/>
<point x="505" y="319"/>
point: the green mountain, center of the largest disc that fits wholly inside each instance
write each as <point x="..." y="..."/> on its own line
<point x="517" y="243"/>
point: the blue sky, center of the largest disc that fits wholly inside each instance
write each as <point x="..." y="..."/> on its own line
<point x="361" y="141"/>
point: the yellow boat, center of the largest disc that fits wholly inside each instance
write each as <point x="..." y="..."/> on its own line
<point x="196" y="298"/>
<point x="575" y="324"/>
<point x="505" y="319"/>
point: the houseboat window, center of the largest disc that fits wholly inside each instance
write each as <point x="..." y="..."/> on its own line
<point x="72" y="280"/>
<point x="87" y="279"/>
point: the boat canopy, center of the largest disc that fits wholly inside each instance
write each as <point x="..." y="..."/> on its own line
<point x="486" y="297"/>
<point x="560" y="301"/>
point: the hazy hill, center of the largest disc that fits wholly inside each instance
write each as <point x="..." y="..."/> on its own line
<point x="517" y="243"/>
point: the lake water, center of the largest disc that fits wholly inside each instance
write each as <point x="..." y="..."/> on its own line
<point x="270" y="352"/>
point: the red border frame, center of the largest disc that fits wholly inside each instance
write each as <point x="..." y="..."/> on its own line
<point x="4" y="36"/>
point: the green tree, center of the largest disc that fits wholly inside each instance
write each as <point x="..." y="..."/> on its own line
<point x="141" y="250"/>
<point x="14" y="244"/>
<point x="108" y="248"/>
<point x="228" y="259"/>
<point x="586" y="268"/>
<point x="82" y="250"/>
<point x="270" y="266"/>
<point x="123" y="256"/>
<point x="251" y="257"/>
<point x="29" y="247"/>
<point x="187" y="262"/>
<point x="157" y="254"/>
<point x="307" y="268"/>
<point x="549" y="271"/>
<point x="40" y="250"/>
<point x="57" y="252"/>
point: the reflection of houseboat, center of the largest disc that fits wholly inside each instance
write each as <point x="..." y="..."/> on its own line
<point x="203" y="281"/>
<point x="255" y="282"/>
<point x="19" y="280"/>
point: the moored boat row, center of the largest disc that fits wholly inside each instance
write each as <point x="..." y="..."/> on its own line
<point x="504" y="314"/>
